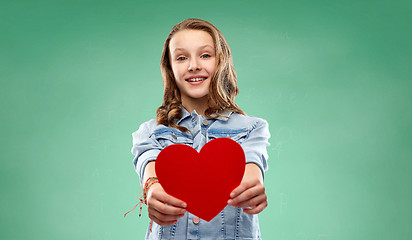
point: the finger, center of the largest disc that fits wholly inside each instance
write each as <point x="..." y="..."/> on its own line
<point x="247" y="195"/>
<point x="253" y="202"/>
<point x="164" y="217"/>
<point x="242" y="187"/>
<point x="160" y="222"/>
<point x="257" y="209"/>
<point x="160" y="194"/>
<point x="168" y="199"/>
<point x="164" y="208"/>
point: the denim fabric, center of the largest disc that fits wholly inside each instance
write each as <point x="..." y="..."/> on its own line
<point x="250" y="132"/>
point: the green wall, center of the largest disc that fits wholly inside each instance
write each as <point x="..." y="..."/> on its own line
<point x="330" y="77"/>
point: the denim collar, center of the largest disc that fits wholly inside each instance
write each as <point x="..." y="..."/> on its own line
<point x="194" y="113"/>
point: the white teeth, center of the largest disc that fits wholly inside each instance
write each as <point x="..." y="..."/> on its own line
<point x="195" y="79"/>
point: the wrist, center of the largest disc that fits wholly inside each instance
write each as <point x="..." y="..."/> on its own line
<point x="151" y="188"/>
<point x="149" y="182"/>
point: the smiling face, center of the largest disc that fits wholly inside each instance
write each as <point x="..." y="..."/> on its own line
<point x="193" y="62"/>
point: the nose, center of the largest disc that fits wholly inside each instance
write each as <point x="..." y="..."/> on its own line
<point x="194" y="65"/>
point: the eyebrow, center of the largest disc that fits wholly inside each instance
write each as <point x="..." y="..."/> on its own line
<point x="201" y="47"/>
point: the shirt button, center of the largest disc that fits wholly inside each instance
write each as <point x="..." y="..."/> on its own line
<point x="196" y="220"/>
<point x="174" y="136"/>
<point x="205" y="122"/>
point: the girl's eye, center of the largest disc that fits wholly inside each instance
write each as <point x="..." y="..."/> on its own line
<point x="205" y="55"/>
<point x="181" y="58"/>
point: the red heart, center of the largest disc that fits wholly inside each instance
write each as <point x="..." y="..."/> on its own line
<point x="203" y="180"/>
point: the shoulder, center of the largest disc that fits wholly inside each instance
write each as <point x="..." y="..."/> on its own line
<point x="151" y="127"/>
<point x="244" y="121"/>
<point x="152" y="123"/>
<point x="146" y="127"/>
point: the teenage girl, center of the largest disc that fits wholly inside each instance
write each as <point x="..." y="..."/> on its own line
<point x="199" y="105"/>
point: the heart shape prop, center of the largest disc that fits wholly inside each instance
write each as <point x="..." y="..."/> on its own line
<point x="203" y="180"/>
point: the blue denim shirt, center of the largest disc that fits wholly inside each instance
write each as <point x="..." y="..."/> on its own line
<point x="250" y="132"/>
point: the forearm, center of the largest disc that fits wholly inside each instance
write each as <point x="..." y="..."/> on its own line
<point x="252" y="171"/>
<point x="149" y="171"/>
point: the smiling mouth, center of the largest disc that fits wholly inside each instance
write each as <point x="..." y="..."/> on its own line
<point x="195" y="79"/>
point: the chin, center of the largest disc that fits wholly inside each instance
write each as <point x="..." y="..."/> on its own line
<point x="198" y="96"/>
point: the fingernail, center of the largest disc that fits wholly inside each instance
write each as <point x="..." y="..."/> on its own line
<point x="184" y="205"/>
<point x="232" y="195"/>
<point x="230" y="201"/>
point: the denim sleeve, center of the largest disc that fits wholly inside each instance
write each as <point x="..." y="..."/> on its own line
<point x="145" y="149"/>
<point x="255" y="145"/>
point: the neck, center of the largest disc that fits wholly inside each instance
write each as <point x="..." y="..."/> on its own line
<point x="198" y="104"/>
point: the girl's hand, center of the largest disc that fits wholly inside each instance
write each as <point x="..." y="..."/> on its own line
<point x="250" y="194"/>
<point x="163" y="208"/>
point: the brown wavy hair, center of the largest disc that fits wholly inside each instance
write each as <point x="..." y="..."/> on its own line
<point x="223" y="87"/>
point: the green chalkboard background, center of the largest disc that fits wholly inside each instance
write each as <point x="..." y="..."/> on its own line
<point x="332" y="78"/>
